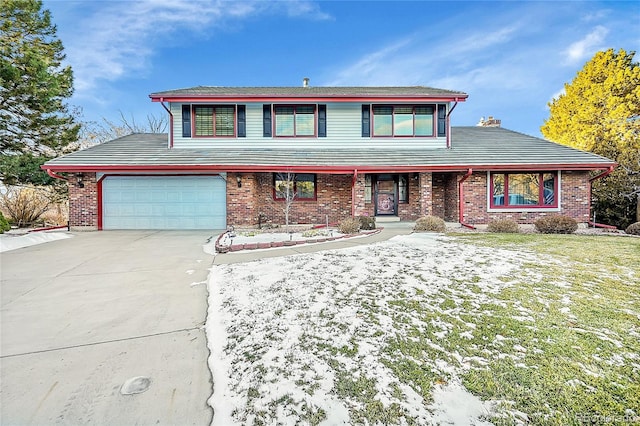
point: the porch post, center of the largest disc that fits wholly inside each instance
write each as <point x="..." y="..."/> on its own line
<point x="426" y="193"/>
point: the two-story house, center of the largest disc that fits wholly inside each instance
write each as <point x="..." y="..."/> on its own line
<point x="346" y="151"/>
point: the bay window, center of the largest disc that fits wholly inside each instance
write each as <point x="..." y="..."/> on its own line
<point x="524" y="190"/>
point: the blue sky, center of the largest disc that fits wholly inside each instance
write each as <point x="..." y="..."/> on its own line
<point x="511" y="57"/>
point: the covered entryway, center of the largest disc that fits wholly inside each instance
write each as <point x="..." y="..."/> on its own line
<point x="164" y="202"/>
<point x="390" y="190"/>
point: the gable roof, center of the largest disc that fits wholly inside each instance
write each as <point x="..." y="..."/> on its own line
<point x="479" y="148"/>
<point x="337" y="93"/>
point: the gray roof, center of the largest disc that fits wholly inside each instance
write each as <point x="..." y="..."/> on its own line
<point x="310" y="91"/>
<point x="480" y="148"/>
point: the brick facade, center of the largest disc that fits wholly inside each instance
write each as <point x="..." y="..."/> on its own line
<point x="574" y="199"/>
<point x="83" y="202"/>
<point x="252" y="201"/>
<point x="255" y="198"/>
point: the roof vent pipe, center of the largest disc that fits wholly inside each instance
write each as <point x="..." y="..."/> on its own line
<point x="305" y="82"/>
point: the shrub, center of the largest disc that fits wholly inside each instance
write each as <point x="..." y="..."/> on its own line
<point x="367" y="222"/>
<point x="349" y="226"/>
<point x="556" y="224"/>
<point x="633" y="229"/>
<point x="26" y="205"/>
<point x="4" y="224"/>
<point x="429" y="224"/>
<point x="503" y="226"/>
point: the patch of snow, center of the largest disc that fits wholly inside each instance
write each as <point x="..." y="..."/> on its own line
<point x="10" y="242"/>
<point x="454" y="405"/>
<point x="292" y="328"/>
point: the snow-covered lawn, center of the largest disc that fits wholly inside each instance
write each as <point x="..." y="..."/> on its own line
<point x="421" y="329"/>
<point x="12" y="242"/>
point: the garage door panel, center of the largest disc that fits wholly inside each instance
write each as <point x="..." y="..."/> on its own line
<point x="164" y="202"/>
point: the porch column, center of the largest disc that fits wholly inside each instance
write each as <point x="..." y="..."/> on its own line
<point x="426" y="193"/>
<point x="358" y="196"/>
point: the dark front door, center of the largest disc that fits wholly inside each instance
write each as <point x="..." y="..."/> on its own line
<point x="386" y="195"/>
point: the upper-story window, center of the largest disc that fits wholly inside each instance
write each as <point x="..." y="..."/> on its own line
<point x="403" y="120"/>
<point x="214" y="120"/>
<point x="295" y="120"/>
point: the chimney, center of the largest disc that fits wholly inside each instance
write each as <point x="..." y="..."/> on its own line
<point x="305" y="82"/>
<point x="489" y="122"/>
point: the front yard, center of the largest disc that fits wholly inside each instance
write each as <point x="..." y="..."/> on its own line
<point x="428" y="329"/>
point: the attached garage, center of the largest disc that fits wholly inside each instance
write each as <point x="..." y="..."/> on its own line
<point x="163" y="202"/>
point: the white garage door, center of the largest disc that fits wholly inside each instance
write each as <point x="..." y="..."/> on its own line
<point x="164" y="202"/>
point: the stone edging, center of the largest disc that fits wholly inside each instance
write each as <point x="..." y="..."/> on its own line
<point x="277" y="244"/>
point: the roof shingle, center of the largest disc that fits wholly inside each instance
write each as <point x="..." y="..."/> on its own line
<point x="481" y="148"/>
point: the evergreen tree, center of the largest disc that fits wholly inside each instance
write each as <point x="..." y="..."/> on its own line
<point x="35" y="123"/>
<point x="600" y="112"/>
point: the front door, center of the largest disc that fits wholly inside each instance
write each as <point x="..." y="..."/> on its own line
<point x="386" y="195"/>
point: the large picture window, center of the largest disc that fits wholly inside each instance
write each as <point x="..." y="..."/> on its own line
<point x="297" y="120"/>
<point x="214" y="121"/>
<point x="524" y="190"/>
<point x="303" y="185"/>
<point x="403" y="120"/>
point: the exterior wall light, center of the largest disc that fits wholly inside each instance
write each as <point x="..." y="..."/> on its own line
<point x="80" y="183"/>
<point x="239" y="179"/>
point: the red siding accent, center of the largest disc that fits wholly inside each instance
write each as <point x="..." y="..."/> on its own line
<point x="320" y="169"/>
<point x="305" y="98"/>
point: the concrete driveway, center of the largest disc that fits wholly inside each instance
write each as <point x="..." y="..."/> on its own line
<point x="81" y="316"/>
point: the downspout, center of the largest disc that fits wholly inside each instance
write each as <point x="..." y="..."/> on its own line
<point x="591" y="180"/>
<point x="170" y="122"/>
<point x="353" y="193"/>
<point x="449" y="123"/>
<point x="461" y="200"/>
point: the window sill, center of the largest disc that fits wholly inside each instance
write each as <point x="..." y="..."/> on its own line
<point x="522" y="209"/>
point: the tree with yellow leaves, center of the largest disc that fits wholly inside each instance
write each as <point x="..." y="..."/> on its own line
<point x="599" y="112"/>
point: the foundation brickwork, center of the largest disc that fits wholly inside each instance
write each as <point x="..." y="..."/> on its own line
<point x="83" y="202"/>
<point x="437" y="197"/>
<point x="242" y="201"/>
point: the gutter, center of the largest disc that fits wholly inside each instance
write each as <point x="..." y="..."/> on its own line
<point x="591" y="180"/>
<point x="170" y="122"/>
<point x="461" y="200"/>
<point x="55" y="175"/>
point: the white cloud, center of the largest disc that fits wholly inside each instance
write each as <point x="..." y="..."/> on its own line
<point x="118" y="39"/>
<point x="587" y="46"/>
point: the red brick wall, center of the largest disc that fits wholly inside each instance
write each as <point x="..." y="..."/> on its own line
<point x="333" y="199"/>
<point x="438" y="190"/>
<point x="574" y="200"/>
<point x="450" y="181"/>
<point x="83" y="202"/>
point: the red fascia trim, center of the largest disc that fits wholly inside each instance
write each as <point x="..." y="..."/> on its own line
<point x="461" y="199"/>
<point x="343" y="169"/>
<point x="306" y="98"/>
